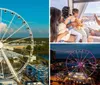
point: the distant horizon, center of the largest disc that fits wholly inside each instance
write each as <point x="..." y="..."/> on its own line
<point x="65" y="49"/>
<point x="89" y="14"/>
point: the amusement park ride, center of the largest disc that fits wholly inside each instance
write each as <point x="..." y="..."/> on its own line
<point x="80" y="66"/>
<point x="11" y="26"/>
<point x="16" y="50"/>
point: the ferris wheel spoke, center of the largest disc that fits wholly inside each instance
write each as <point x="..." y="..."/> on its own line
<point x="9" y="65"/>
<point x="14" y="32"/>
<point x="18" y="39"/>
<point x="74" y="57"/>
<point x="81" y="55"/>
<point x="22" y="60"/>
<point x="76" y="60"/>
<point x="88" y="71"/>
<point x="0" y="20"/>
<point x="22" y="56"/>
<point x="90" y="63"/>
<point x="6" y="68"/>
<point x="84" y="72"/>
<point x="12" y="23"/>
<point x="1" y="16"/>
<point x="8" y="27"/>
<point x="77" y="55"/>
<point x="85" y="57"/>
<point x="17" y="57"/>
<point x="88" y="60"/>
<point x="69" y="58"/>
<point x="74" y="69"/>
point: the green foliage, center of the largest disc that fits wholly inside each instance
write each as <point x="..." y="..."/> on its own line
<point x="28" y="49"/>
<point x="41" y="48"/>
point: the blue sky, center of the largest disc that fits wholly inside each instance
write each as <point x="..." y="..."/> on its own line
<point x="93" y="7"/>
<point x="35" y="12"/>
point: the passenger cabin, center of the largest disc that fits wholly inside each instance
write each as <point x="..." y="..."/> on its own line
<point x="87" y="9"/>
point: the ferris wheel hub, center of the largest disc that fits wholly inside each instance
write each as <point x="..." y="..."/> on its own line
<point x="81" y="64"/>
<point x="1" y="44"/>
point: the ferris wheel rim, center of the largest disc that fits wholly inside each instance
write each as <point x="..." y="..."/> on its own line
<point x="77" y="62"/>
<point x="32" y="39"/>
<point x="19" y="16"/>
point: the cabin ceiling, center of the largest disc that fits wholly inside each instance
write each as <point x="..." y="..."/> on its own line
<point x="80" y="1"/>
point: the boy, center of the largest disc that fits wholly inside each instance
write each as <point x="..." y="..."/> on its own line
<point x="78" y="25"/>
<point x="68" y="22"/>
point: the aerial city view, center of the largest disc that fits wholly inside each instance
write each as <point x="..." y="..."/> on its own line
<point x="75" y="64"/>
<point x="24" y="43"/>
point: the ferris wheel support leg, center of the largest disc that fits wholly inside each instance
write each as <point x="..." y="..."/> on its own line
<point x="10" y="66"/>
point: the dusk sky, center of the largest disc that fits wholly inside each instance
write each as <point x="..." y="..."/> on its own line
<point x="93" y="48"/>
<point x="35" y="12"/>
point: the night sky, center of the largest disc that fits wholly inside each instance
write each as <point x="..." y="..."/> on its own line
<point x="63" y="48"/>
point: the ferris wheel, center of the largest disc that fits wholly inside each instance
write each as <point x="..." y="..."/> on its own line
<point x="81" y="62"/>
<point x="16" y="44"/>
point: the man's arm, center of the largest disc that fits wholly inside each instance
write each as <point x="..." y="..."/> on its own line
<point x="97" y="20"/>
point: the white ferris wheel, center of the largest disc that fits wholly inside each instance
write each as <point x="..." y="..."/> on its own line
<point x="16" y="44"/>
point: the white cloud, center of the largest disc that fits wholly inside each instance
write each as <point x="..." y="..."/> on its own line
<point x="2" y="26"/>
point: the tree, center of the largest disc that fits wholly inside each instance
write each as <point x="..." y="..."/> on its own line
<point x="28" y="49"/>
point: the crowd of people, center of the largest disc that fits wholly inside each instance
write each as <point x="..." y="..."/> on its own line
<point x="65" y="26"/>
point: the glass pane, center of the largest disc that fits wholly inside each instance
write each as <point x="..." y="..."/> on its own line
<point x="78" y="1"/>
<point x="88" y="12"/>
<point x="59" y="3"/>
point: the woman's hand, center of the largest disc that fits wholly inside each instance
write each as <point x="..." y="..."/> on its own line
<point x="95" y="16"/>
<point x="97" y="20"/>
<point x="61" y="35"/>
<point x="65" y="33"/>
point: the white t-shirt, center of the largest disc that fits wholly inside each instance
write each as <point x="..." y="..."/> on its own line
<point x="61" y="28"/>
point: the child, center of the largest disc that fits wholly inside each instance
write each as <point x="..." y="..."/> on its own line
<point x="78" y="25"/>
<point x="68" y="22"/>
